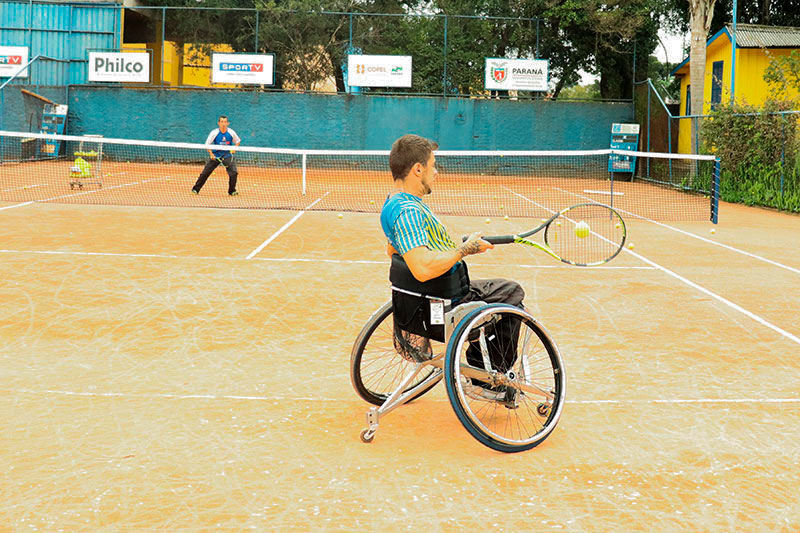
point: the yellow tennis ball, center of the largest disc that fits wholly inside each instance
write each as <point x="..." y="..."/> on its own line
<point x="713" y="230"/>
<point x="505" y="217"/>
<point x="340" y="215"/>
<point x="582" y="230"/>
<point x="488" y="220"/>
<point x="630" y="246"/>
<point x="372" y="201"/>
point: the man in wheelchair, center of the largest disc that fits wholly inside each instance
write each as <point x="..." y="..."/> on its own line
<point x="426" y="260"/>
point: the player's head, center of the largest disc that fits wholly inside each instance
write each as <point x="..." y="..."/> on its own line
<point x="412" y="158"/>
<point x="222" y="122"/>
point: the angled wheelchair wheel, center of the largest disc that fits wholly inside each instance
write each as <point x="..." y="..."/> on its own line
<point x="505" y="378"/>
<point x="377" y="369"/>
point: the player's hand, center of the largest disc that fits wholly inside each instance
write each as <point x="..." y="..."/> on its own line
<point x="474" y="244"/>
<point x="390" y="250"/>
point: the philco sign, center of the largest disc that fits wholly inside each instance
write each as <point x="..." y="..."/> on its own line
<point x="516" y="74"/>
<point x="119" y="66"/>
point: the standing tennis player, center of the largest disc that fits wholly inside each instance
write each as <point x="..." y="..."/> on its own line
<point x="221" y="135"/>
<point x="414" y="232"/>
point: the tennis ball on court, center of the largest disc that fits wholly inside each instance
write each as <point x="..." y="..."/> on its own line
<point x="488" y="220"/>
<point x="340" y="215"/>
<point x="712" y="230"/>
<point x="505" y="217"/>
<point x="372" y="201"/>
<point x="630" y="246"/>
<point x="582" y="230"/>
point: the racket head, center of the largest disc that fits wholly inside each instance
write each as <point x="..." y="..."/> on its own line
<point x="588" y="234"/>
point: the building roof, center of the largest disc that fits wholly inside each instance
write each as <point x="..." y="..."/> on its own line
<point x="754" y="36"/>
<point x="757" y="36"/>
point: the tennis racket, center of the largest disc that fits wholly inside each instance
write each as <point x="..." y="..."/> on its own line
<point x="222" y="161"/>
<point x="583" y="235"/>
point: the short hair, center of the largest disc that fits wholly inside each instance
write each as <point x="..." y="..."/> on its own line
<point x="407" y="151"/>
<point x="221" y="117"/>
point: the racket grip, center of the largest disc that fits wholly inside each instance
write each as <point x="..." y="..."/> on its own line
<point x="498" y="239"/>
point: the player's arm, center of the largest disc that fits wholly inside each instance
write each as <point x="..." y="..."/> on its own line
<point x="427" y="264"/>
<point x="236" y="139"/>
<point x="210" y="140"/>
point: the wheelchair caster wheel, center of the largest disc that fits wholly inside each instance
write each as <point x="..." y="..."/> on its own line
<point x="543" y="409"/>
<point x="367" y="435"/>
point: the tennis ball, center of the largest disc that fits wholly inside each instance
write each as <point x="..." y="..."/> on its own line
<point x="630" y="246"/>
<point x="372" y="201"/>
<point x="340" y="215"/>
<point x="582" y="230"/>
<point x="505" y="217"/>
<point x="488" y="220"/>
<point x="713" y="231"/>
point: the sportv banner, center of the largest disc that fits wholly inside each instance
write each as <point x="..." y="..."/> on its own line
<point x="253" y="69"/>
<point x="378" y="71"/>
<point x="516" y="74"/>
<point x="12" y="58"/>
<point x="119" y="66"/>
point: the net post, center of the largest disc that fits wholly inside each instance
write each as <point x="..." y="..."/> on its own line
<point x="304" y="174"/>
<point x="715" y="192"/>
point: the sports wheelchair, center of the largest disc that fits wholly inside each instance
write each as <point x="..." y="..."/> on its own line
<point x="503" y="374"/>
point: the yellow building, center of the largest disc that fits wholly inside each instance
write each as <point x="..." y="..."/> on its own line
<point x="756" y="46"/>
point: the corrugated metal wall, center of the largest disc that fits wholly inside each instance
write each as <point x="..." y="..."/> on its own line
<point x="62" y="31"/>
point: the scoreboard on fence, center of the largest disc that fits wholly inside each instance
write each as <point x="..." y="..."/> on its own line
<point x="623" y="137"/>
<point x="54" y="120"/>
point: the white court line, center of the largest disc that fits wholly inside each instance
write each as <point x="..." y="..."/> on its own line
<point x="692" y="284"/>
<point x="731" y="248"/>
<point x="607" y="193"/>
<point x="167" y="396"/>
<point x="294" y="259"/>
<point x="23" y="187"/>
<point x="719" y="298"/>
<point x="285" y="227"/>
<point x="83" y="192"/>
<point x="17" y="205"/>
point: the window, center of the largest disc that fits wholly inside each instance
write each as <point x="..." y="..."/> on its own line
<point x="688" y="100"/>
<point x="716" y="83"/>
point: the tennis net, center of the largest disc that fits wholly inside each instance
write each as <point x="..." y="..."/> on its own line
<point x="94" y="170"/>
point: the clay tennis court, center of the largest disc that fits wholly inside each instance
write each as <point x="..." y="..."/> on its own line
<point x="187" y="368"/>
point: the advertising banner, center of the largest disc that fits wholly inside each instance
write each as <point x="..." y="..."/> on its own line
<point x="516" y="74"/>
<point x="378" y="71"/>
<point x="12" y="58"/>
<point x="119" y="66"/>
<point x="251" y="69"/>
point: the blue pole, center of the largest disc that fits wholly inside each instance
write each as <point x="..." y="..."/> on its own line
<point x="733" y="55"/>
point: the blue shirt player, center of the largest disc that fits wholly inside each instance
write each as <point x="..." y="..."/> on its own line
<point x="222" y="135"/>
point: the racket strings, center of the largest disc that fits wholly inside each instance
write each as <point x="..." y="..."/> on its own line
<point x="586" y="234"/>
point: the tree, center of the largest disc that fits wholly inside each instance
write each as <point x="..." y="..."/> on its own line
<point x="700" y="14"/>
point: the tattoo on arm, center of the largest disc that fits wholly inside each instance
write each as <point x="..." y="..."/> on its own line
<point x="471" y="246"/>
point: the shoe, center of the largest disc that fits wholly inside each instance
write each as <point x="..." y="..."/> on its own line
<point x="234" y="193"/>
<point x="500" y="394"/>
<point x="195" y="191"/>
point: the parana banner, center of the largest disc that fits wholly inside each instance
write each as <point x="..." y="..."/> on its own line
<point x="516" y="74"/>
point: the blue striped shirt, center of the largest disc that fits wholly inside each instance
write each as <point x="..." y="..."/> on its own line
<point x="408" y="223"/>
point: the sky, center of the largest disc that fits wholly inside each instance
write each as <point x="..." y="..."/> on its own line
<point x="671" y="51"/>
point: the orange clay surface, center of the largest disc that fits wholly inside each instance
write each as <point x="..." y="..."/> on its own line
<point x="154" y="377"/>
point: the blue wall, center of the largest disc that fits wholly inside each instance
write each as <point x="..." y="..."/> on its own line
<point x="283" y="120"/>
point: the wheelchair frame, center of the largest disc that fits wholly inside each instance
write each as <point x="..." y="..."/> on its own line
<point x="460" y="323"/>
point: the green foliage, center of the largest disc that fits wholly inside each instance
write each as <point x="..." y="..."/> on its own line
<point x="759" y="152"/>
<point x="783" y="72"/>
<point x="582" y="92"/>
